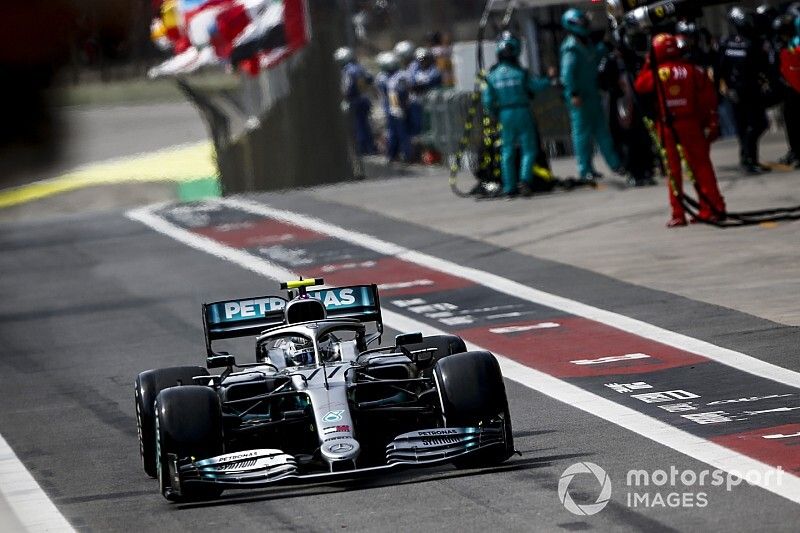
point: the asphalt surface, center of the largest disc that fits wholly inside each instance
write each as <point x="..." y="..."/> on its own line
<point x="87" y="301"/>
<point x="90" y="134"/>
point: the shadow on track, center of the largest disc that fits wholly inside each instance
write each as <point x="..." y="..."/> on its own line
<point x="530" y="433"/>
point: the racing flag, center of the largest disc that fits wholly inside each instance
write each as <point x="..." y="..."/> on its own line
<point x="251" y="34"/>
<point x="278" y="32"/>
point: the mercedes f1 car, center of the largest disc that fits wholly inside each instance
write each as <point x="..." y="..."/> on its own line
<point x="317" y="402"/>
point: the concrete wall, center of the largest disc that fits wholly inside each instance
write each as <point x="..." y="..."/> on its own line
<point x="283" y="128"/>
<point x="299" y="136"/>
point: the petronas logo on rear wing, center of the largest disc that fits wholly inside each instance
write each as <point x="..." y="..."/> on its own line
<point x="250" y="316"/>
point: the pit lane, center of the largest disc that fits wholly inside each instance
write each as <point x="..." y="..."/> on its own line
<point x="97" y="298"/>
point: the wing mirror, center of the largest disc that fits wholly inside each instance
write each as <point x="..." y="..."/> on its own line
<point x="220" y="361"/>
<point x="408" y="338"/>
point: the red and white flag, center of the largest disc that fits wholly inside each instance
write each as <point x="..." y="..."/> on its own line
<point x="250" y="34"/>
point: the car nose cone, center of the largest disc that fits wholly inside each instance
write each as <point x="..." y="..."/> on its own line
<point x="340" y="449"/>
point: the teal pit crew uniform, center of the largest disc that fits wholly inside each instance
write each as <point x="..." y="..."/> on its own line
<point x="506" y="95"/>
<point x="579" y="63"/>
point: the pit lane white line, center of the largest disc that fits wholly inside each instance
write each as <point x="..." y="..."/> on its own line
<point x="33" y="509"/>
<point x="776" y="481"/>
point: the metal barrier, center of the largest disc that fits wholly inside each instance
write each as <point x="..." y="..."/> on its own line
<point x="446" y="115"/>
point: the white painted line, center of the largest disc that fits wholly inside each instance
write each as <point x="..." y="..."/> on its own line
<point x="610" y="359"/>
<point x="33" y="509"/>
<point x="519" y="329"/>
<point x="208" y="245"/>
<point x="725" y="356"/>
<point x="781" y="436"/>
<point x="772" y="479"/>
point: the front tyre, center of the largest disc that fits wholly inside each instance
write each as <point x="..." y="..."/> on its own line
<point x="146" y="387"/>
<point x="472" y="394"/>
<point x="188" y="423"/>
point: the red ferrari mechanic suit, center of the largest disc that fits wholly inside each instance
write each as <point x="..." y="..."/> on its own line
<point x="790" y="67"/>
<point x="688" y="96"/>
<point x="790" y="70"/>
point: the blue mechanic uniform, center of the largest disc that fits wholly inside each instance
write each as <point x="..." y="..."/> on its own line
<point x="354" y="82"/>
<point x="422" y="80"/>
<point x="394" y="91"/>
<point x="506" y="95"/>
<point x="579" y="64"/>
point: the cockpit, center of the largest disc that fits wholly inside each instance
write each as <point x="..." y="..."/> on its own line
<point x="312" y="344"/>
<point x="289" y="351"/>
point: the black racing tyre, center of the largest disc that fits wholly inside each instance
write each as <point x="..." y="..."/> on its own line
<point x="188" y="423"/>
<point x="472" y="392"/>
<point x="146" y="387"/>
<point x="445" y="345"/>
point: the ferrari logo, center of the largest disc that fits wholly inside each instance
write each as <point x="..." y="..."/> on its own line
<point x="664" y="73"/>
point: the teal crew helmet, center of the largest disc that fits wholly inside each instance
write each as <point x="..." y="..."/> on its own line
<point x="575" y="21"/>
<point x="795" y="43"/>
<point x="508" y="46"/>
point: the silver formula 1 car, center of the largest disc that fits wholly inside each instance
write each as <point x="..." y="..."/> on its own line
<point x="317" y="402"/>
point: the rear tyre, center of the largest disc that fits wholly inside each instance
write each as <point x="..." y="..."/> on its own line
<point x="146" y="387"/>
<point x="472" y="393"/>
<point x="188" y="423"/>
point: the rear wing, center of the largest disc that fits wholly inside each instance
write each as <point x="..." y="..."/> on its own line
<point x="230" y="319"/>
<point x="359" y="302"/>
<point x="240" y="318"/>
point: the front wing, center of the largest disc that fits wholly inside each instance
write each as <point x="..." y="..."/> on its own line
<point x="263" y="467"/>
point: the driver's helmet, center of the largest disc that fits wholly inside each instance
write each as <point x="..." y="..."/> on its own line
<point x="297" y="351"/>
<point x="329" y="349"/>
